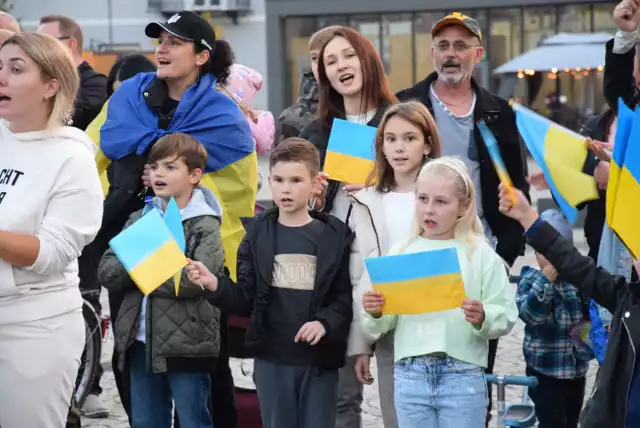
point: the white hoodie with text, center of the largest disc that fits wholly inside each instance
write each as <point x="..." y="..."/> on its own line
<point x="49" y="187"/>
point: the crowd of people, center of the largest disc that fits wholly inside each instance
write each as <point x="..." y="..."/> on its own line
<point x="83" y="156"/>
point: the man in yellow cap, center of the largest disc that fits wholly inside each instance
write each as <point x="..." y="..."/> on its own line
<point x="457" y="103"/>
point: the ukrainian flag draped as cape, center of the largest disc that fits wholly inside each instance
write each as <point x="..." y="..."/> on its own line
<point x="126" y="126"/>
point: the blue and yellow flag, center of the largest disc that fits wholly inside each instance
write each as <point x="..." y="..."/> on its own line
<point x="126" y="125"/>
<point x="350" y="152"/>
<point x="149" y="252"/>
<point x="561" y="154"/>
<point x="417" y="283"/>
<point x="623" y="189"/>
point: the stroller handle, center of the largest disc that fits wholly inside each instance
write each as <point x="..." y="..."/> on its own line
<point x="528" y="381"/>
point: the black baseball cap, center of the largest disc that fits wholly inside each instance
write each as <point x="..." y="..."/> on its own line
<point x="457" y="18"/>
<point x="186" y="25"/>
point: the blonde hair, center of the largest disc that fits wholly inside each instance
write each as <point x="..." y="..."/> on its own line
<point x="468" y="228"/>
<point x="54" y="62"/>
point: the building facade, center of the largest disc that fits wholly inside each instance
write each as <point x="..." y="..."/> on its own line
<point x="401" y="31"/>
<point x="118" y="25"/>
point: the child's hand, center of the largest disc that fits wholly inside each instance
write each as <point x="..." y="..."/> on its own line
<point x="199" y="274"/>
<point x="311" y="333"/>
<point x="550" y="272"/>
<point x="363" y="371"/>
<point x="473" y="312"/>
<point x="521" y="211"/>
<point x="372" y="302"/>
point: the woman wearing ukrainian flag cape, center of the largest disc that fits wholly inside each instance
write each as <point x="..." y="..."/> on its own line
<point x="180" y="97"/>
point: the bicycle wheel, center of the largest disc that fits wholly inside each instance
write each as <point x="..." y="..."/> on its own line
<point x="88" y="363"/>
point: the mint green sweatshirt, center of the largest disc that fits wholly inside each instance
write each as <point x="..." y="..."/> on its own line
<point x="485" y="279"/>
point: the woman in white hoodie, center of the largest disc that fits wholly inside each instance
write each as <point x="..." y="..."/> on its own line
<point x="382" y="216"/>
<point x="50" y="208"/>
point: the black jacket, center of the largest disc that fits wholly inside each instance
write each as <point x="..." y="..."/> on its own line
<point x="318" y="133"/>
<point x="501" y="120"/>
<point x="597" y="128"/>
<point x="91" y="96"/>
<point x="332" y="297"/>
<point x="607" y="406"/>
<point x="618" y="78"/>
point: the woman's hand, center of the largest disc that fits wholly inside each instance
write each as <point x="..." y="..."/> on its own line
<point x="146" y="176"/>
<point x="600" y="149"/>
<point x="372" y="302"/>
<point x="473" y="311"/>
<point x="520" y="211"/>
<point x="199" y="274"/>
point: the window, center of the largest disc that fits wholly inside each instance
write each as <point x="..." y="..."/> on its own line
<point x="422" y="43"/>
<point x="397" y="50"/>
<point x="297" y="32"/>
<point x="327" y="21"/>
<point x="369" y="26"/>
<point x="539" y="23"/>
<point x="603" y="18"/>
<point x="505" y="39"/>
<point x="574" y="19"/>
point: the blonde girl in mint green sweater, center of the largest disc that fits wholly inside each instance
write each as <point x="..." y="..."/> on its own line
<point x="440" y="356"/>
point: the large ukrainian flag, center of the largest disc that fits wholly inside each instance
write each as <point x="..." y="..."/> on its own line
<point x="232" y="166"/>
<point x="561" y="154"/>
<point x="623" y="189"/>
<point x="418" y="283"/>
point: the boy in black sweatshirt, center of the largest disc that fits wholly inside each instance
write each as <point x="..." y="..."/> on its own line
<point x="615" y="402"/>
<point x="293" y="281"/>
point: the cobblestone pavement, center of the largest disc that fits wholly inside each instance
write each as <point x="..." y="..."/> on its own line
<point x="509" y="362"/>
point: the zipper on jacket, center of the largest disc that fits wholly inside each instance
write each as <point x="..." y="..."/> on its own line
<point x="633" y="348"/>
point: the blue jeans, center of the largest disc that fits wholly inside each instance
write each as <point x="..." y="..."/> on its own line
<point x="152" y="395"/>
<point x="439" y="392"/>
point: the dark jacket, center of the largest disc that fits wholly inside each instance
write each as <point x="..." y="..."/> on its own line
<point x="597" y="128"/>
<point x="607" y="406"/>
<point x="501" y="120"/>
<point x="318" y="133"/>
<point x="619" y="80"/>
<point x="183" y="331"/>
<point x="296" y="117"/>
<point x="91" y="96"/>
<point x="332" y="296"/>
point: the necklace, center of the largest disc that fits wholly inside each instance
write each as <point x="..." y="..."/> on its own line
<point x="455" y="104"/>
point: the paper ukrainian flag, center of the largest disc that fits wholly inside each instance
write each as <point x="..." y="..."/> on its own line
<point x="623" y="189"/>
<point x="417" y="283"/>
<point x="496" y="158"/>
<point x="351" y="152"/>
<point x="560" y="153"/>
<point x="149" y="252"/>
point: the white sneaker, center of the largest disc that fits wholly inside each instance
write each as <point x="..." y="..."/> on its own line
<point x="93" y="408"/>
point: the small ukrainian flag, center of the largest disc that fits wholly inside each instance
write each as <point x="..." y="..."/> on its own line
<point x="149" y="252"/>
<point x="350" y="152"/>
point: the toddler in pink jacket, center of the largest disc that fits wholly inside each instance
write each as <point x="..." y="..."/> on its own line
<point x="244" y="84"/>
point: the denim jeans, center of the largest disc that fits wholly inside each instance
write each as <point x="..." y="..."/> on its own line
<point x="439" y="392"/>
<point x="154" y="394"/>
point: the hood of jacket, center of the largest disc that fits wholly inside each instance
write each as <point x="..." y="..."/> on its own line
<point x="203" y="202"/>
<point x="62" y="133"/>
<point x="308" y="88"/>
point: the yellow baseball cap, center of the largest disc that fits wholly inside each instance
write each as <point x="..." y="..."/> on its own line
<point x="457" y="18"/>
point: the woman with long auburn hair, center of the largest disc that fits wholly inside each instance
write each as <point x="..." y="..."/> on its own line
<point x="353" y="86"/>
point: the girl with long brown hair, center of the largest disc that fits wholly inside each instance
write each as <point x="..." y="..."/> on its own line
<point x="353" y="87"/>
<point x="382" y="216"/>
